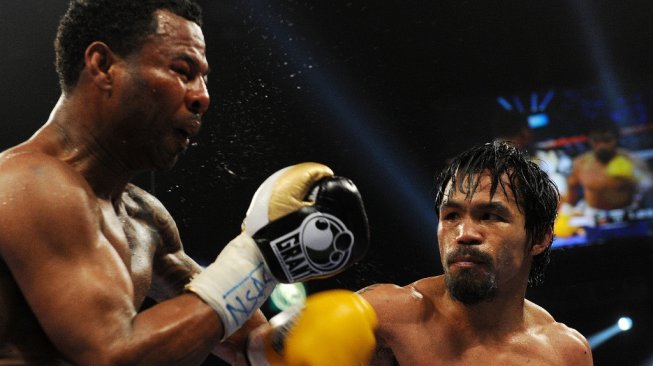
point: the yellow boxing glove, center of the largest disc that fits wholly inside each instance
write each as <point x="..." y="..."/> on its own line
<point x="621" y="167"/>
<point x="334" y="327"/>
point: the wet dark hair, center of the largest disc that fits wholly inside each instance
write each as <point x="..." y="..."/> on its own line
<point x="536" y="195"/>
<point x="122" y="24"/>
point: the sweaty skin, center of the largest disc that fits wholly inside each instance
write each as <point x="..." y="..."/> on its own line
<point x="422" y="324"/>
<point x="81" y="247"/>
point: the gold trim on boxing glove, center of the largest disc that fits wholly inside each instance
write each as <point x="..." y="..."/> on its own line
<point x="292" y="187"/>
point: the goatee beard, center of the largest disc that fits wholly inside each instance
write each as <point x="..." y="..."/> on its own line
<point x="471" y="285"/>
<point x="604" y="156"/>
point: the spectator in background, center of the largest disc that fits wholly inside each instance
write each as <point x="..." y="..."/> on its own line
<point x="606" y="177"/>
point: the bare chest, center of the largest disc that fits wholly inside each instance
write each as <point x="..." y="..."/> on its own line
<point x="421" y="346"/>
<point x="594" y="175"/>
<point x="136" y="242"/>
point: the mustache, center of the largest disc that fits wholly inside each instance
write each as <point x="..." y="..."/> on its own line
<point x="469" y="253"/>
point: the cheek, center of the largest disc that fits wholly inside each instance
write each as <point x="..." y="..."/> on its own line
<point x="441" y="238"/>
<point x="506" y="258"/>
<point x="511" y="254"/>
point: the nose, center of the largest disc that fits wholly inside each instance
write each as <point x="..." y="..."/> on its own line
<point x="197" y="97"/>
<point x="468" y="233"/>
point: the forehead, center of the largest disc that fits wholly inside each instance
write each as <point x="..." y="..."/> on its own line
<point x="482" y="191"/>
<point x="176" y="34"/>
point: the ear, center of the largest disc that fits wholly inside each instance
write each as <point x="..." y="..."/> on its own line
<point x="540" y="247"/>
<point x="98" y="60"/>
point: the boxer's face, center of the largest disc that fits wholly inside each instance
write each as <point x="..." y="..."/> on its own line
<point x="604" y="145"/>
<point x="482" y="243"/>
<point x="164" y="91"/>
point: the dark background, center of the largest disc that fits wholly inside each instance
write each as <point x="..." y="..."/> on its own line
<point x="383" y="92"/>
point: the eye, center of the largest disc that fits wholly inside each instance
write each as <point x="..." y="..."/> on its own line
<point x="450" y="215"/>
<point x="491" y="216"/>
<point x="183" y="72"/>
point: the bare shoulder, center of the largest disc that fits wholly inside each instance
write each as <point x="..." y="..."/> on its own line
<point x="395" y="303"/>
<point x="31" y="169"/>
<point x="571" y="346"/>
<point x="34" y="187"/>
<point x="400" y="310"/>
<point x="144" y="206"/>
<point x="143" y="199"/>
<point x="172" y="268"/>
<point x="386" y="296"/>
<point x="141" y="203"/>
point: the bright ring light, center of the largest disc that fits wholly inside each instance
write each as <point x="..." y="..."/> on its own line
<point x="625" y="323"/>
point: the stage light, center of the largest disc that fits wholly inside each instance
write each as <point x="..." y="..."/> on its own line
<point x="623" y="324"/>
<point x="538" y="120"/>
<point x="286" y="295"/>
<point x="536" y="116"/>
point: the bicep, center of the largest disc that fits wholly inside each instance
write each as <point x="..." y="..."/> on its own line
<point x="172" y="268"/>
<point x="386" y="299"/>
<point x="577" y="349"/>
<point x="171" y="272"/>
<point x="72" y="278"/>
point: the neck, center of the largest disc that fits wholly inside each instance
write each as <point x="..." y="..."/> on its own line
<point x="501" y="315"/>
<point x="72" y="134"/>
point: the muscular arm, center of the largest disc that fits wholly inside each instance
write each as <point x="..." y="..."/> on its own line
<point x="572" y="346"/>
<point x="62" y="253"/>
<point x="378" y="296"/>
<point x="173" y="269"/>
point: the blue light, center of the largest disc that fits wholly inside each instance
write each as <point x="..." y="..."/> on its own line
<point x="518" y="104"/>
<point x="356" y="118"/>
<point x="538" y="120"/>
<point x="545" y="102"/>
<point x="534" y="102"/>
<point x="622" y="325"/>
<point x="625" y="323"/>
<point x="504" y="103"/>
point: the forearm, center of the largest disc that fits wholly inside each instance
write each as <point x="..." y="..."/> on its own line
<point x="179" y="331"/>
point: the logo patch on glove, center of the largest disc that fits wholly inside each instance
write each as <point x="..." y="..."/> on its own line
<point x="320" y="246"/>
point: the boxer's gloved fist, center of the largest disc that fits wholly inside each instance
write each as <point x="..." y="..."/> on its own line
<point x="307" y="231"/>
<point x="334" y="327"/>
<point x="302" y="223"/>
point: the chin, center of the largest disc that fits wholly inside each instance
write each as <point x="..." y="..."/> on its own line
<point x="471" y="288"/>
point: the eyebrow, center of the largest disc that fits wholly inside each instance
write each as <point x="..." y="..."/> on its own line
<point x="498" y="207"/>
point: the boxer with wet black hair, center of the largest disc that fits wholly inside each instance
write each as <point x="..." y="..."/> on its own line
<point x="81" y="247"/>
<point x="496" y="211"/>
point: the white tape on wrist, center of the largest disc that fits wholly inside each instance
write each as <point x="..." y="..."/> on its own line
<point x="236" y="284"/>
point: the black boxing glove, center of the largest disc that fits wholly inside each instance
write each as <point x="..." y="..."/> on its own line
<point x="319" y="240"/>
<point x="302" y="223"/>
